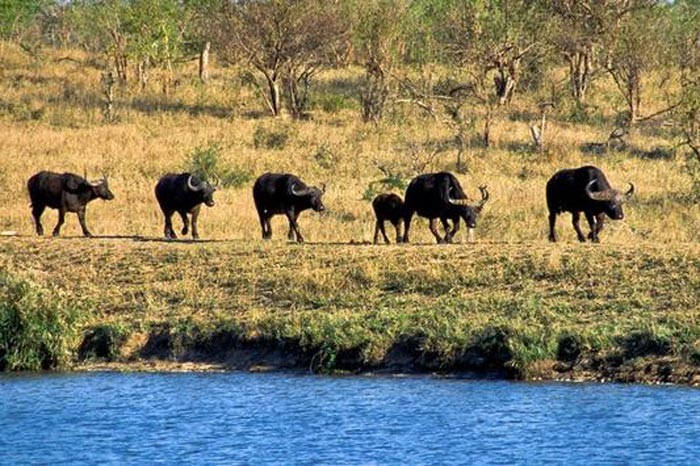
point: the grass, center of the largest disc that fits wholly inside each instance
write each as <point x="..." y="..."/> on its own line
<point x="510" y="297"/>
<point x="510" y="301"/>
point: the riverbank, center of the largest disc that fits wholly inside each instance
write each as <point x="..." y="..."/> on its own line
<point x="517" y="310"/>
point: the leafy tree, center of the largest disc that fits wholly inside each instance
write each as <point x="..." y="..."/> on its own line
<point x="16" y="16"/>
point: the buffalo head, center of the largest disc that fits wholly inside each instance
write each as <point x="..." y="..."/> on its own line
<point x="204" y="188"/>
<point x="612" y="198"/>
<point x="312" y="194"/>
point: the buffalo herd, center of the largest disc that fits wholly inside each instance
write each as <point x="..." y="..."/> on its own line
<point x="434" y="196"/>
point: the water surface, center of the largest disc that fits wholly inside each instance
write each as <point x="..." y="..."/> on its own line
<point x="239" y="418"/>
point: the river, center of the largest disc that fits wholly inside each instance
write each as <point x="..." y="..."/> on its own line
<point x="241" y="418"/>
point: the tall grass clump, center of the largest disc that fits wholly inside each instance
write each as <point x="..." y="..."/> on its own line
<point x="38" y="328"/>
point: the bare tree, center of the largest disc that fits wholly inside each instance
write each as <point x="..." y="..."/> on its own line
<point x="285" y="41"/>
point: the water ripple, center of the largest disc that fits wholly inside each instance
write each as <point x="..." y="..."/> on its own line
<point x="289" y="419"/>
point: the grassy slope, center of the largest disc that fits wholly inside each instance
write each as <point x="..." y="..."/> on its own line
<point x="328" y="296"/>
<point x="361" y="300"/>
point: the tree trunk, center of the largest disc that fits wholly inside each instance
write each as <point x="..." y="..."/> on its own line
<point x="204" y="62"/>
<point x="580" y="68"/>
<point x="143" y="72"/>
<point x="274" y="97"/>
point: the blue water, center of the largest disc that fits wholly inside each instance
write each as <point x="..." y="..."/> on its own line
<point x="236" y="418"/>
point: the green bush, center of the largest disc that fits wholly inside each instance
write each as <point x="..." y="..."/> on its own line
<point x="204" y="162"/>
<point x="38" y="327"/>
<point x="273" y="138"/>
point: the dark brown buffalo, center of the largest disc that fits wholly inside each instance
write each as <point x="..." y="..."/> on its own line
<point x="282" y="193"/>
<point x="183" y="193"/>
<point x="66" y="192"/>
<point x="586" y="190"/>
<point x="440" y="196"/>
<point x="387" y="207"/>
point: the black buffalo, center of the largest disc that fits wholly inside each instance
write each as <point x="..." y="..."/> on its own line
<point x="440" y="196"/>
<point x="183" y="193"/>
<point x="586" y="190"/>
<point x="66" y="192"/>
<point x="276" y="193"/>
<point x="389" y="207"/>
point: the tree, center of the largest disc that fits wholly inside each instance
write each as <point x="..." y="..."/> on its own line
<point x="285" y="41"/>
<point x="17" y="16"/>
<point x="378" y="35"/>
<point x="494" y="39"/>
<point x="634" y="46"/>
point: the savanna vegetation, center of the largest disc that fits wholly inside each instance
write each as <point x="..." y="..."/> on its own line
<point x="361" y="95"/>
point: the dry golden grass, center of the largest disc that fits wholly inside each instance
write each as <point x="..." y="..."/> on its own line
<point x="644" y="276"/>
<point x="50" y="118"/>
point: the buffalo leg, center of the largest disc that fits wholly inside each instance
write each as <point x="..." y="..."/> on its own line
<point x="397" y="227"/>
<point x="265" y="226"/>
<point x="434" y="231"/>
<point x="381" y="224"/>
<point x="575" y="218"/>
<point x="195" y="216"/>
<point x="37" y="211"/>
<point x="552" y="225"/>
<point x="61" y="221"/>
<point x="169" y="232"/>
<point x="455" y="228"/>
<point x="185" y="222"/>
<point x="376" y="231"/>
<point x="294" y="226"/>
<point x="83" y="226"/>
<point x="593" y="224"/>
<point x="407" y="225"/>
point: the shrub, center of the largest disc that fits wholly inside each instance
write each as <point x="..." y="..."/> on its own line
<point x="204" y="162"/>
<point x="38" y="327"/>
<point x="273" y="138"/>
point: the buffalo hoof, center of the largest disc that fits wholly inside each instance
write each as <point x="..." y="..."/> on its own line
<point x="184" y="231"/>
<point x="87" y="234"/>
<point x="55" y="233"/>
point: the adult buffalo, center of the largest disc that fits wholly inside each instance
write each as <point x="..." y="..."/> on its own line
<point x="66" y="192"/>
<point x="277" y="193"/>
<point x="586" y="190"/>
<point x="440" y="196"/>
<point x="183" y="193"/>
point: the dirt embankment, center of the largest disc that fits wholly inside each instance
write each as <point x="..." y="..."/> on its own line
<point x="161" y="351"/>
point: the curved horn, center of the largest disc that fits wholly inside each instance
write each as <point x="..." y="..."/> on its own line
<point x="629" y="192"/>
<point x="454" y="201"/>
<point x="484" y="196"/>
<point x="323" y="188"/>
<point x="192" y="187"/>
<point x="607" y="195"/>
<point x="302" y="192"/>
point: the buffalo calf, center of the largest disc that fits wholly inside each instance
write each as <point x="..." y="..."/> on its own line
<point x="278" y="193"/>
<point x="183" y="193"/>
<point x="387" y="206"/>
<point x="586" y="190"/>
<point x="66" y="192"/>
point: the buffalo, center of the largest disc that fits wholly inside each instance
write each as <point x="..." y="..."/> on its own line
<point x="586" y="190"/>
<point x="440" y="196"/>
<point x="277" y="193"/>
<point x="66" y="192"/>
<point x="388" y="206"/>
<point x="183" y="193"/>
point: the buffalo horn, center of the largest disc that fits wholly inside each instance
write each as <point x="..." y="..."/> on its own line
<point x="303" y="192"/>
<point x="607" y="195"/>
<point x="191" y="185"/>
<point x="484" y="196"/>
<point x="629" y="193"/>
